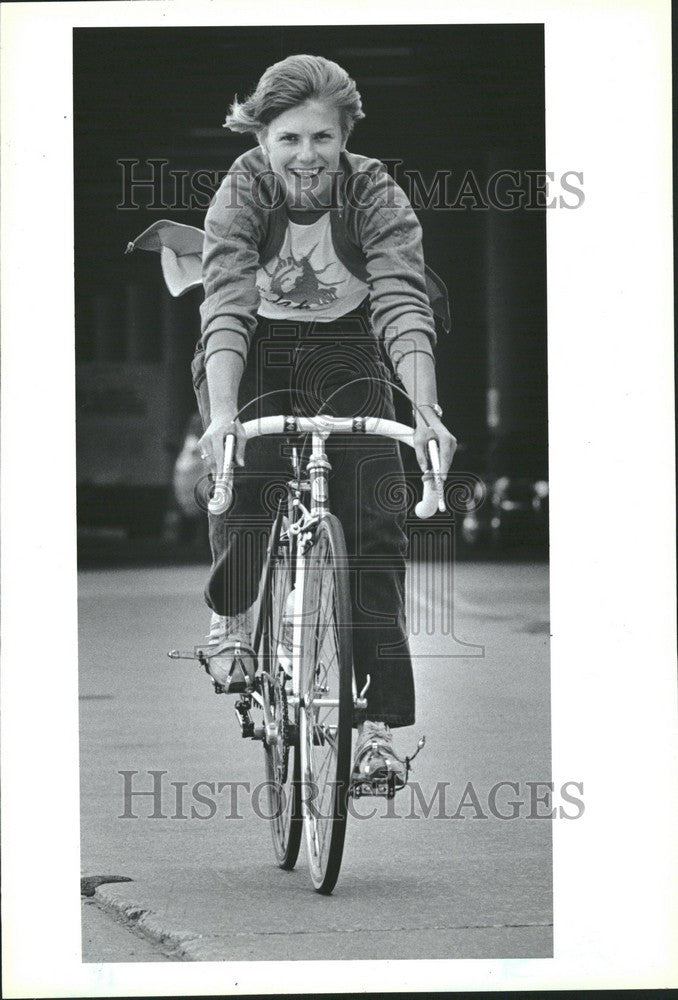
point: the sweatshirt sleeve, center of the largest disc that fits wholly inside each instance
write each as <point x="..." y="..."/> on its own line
<point x="233" y="234"/>
<point x="391" y="239"/>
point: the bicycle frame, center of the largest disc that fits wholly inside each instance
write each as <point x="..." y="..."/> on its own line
<point x="300" y="528"/>
<point x="320" y="427"/>
<point x="305" y="521"/>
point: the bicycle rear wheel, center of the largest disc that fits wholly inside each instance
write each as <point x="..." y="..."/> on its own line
<point x="281" y="750"/>
<point x="326" y="711"/>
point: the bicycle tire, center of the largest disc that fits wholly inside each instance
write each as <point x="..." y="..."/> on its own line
<point x="326" y="672"/>
<point x="281" y="758"/>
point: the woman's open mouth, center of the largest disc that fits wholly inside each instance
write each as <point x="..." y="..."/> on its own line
<point x="305" y="174"/>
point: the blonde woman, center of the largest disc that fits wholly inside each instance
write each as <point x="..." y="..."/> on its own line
<point x="316" y="250"/>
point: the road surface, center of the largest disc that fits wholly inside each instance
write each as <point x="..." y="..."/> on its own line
<point x="460" y="882"/>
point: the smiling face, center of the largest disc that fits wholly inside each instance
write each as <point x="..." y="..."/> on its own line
<point x="303" y="146"/>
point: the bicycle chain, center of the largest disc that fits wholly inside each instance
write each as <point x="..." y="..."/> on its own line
<point x="283" y="718"/>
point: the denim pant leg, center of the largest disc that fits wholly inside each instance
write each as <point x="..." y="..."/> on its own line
<point x="239" y="537"/>
<point x="367" y="494"/>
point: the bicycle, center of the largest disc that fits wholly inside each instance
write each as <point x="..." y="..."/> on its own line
<point x="308" y="710"/>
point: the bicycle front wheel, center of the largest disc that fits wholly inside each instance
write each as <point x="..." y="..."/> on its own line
<point x="326" y="711"/>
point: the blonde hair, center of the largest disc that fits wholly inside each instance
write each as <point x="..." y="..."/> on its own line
<point x="288" y="84"/>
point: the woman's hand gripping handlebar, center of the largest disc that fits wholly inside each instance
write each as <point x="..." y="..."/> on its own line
<point x="223" y="481"/>
<point x="433" y="478"/>
<point x="433" y="498"/>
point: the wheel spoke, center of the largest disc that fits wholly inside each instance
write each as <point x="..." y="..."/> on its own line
<point x="325" y="616"/>
<point x="330" y="663"/>
<point x="328" y="759"/>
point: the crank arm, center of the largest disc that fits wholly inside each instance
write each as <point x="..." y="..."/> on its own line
<point x="247" y="728"/>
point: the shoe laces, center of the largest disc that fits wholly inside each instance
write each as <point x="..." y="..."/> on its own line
<point x="375" y="730"/>
<point x="224" y="626"/>
<point x="376" y="733"/>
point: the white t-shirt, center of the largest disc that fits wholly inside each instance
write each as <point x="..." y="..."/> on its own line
<point x="306" y="280"/>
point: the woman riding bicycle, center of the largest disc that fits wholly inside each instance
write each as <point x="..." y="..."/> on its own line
<point x="313" y="268"/>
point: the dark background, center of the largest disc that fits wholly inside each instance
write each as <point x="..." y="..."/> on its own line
<point x="453" y="98"/>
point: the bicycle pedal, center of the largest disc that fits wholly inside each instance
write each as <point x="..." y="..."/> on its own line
<point x="383" y="788"/>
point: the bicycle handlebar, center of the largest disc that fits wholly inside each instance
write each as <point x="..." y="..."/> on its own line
<point x="432" y="497"/>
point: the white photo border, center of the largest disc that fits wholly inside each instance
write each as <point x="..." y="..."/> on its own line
<point x="611" y="419"/>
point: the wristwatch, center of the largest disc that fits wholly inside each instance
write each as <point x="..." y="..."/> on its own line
<point x="436" y="407"/>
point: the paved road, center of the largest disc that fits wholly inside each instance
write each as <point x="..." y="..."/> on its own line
<point x="461" y="883"/>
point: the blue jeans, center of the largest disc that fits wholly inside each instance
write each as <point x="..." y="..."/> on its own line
<point x="304" y="364"/>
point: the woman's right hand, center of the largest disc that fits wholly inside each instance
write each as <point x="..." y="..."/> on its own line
<point x="211" y="444"/>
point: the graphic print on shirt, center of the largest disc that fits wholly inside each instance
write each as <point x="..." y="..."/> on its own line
<point x="296" y="282"/>
<point x="306" y="279"/>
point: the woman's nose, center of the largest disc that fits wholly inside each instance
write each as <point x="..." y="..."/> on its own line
<point x="307" y="151"/>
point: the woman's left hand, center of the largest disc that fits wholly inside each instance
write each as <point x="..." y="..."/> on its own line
<point x="436" y="430"/>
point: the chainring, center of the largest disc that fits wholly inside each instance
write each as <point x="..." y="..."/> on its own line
<point x="280" y="752"/>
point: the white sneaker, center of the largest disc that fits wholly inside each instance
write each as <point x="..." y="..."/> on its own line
<point x="217" y="629"/>
<point x="230" y="659"/>
<point x="223" y="626"/>
<point x="376" y="758"/>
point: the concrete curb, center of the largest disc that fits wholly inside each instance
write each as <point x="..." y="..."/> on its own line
<point x="532" y="939"/>
<point x="182" y="943"/>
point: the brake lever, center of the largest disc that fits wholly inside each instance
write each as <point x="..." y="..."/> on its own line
<point x="223" y="483"/>
<point x="434" y="456"/>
